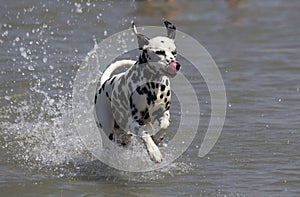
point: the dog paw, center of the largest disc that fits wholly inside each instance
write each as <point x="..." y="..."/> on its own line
<point x="152" y="149"/>
<point x="156" y="156"/>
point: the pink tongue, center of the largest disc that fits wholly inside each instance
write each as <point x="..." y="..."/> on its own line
<point x="173" y="65"/>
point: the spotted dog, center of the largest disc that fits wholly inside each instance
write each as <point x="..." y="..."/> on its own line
<point x="137" y="102"/>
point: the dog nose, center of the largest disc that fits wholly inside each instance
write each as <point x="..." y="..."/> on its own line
<point x="177" y="66"/>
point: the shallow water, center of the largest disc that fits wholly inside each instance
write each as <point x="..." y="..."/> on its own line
<point x="256" y="47"/>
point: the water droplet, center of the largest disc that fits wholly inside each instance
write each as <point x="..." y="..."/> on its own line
<point x="30" y="68"/>
<point x="45" y="59"/>
<point x="7" y="98"/>
<point x="78" y="8"/>
<point x="5" y="33"/>
<point x="17" y="39"/>
<point x="229" y="105"/>
<point x="267" y="126"/>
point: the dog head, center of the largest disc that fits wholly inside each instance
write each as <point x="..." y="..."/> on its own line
<point x="159" y="53"/>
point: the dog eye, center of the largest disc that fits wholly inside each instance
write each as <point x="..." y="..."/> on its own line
<point x="160" y="53"/>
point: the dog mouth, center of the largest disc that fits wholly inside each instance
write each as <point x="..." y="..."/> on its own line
<point x="173" y="68"/>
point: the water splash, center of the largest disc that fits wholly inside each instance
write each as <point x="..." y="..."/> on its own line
<point x="41" y="134"/>
<point x="43" y="139"/>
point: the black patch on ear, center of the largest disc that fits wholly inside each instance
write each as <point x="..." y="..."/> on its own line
<point x="171" y="30"/>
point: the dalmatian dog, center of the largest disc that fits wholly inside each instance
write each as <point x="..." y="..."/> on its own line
<point x="136" y="103"/>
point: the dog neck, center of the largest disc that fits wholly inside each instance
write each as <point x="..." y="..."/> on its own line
<point x="147" y="71"/>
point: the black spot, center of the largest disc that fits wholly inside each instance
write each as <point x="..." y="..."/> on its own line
<point x="111" y="136"/>
<point x="161" y="96"/>
<point x="162" y="41"/>
<point x="107" y="95"/>
<point x="139" y="91"/>
<point x="112" y="80"/>
<point x="148" y="85"/>
<point x="141" y="122"/>
<point x="162" y="88"/>
<point x="116" y="126"/>
<point x="134" y="111"/>
<point x="165" y="100"/>
<point x="143" y="58"/>
<point x="152" y="85"/>
<point x="131" y="104"/>
<point x="145" y="90"/>
<point x="167" y="105"/>
<point x="157" y="85"/>
<point x="167" y="82"/>
<point x="103" y="86"/>
<point x="100" y="91"/>
<point x="95" y="98"/>
<point x="168" y="93"/>
<point x="151" y="97"/>
<point x="135" y="117"/>
<point x="161" y="53"/>
<point x="145" y="114"/>
<point x="98" y="124"/>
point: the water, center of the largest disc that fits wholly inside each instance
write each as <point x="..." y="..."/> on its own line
<point x="256" y="47"/>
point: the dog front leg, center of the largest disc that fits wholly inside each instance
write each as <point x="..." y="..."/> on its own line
<point x="151" y="147"/>
<point x="158" y="127"/>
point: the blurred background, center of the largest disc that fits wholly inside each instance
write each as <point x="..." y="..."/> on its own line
<point x="256" y="46"/>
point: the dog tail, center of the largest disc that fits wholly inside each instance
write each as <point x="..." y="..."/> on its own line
<point x="111" y="68"/>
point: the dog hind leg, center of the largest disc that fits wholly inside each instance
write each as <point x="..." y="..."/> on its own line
<point x="104" y="114"/>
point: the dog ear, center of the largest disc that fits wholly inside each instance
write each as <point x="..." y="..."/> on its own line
<point x="142" y="39"/>
<point x="171" y="29"/>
